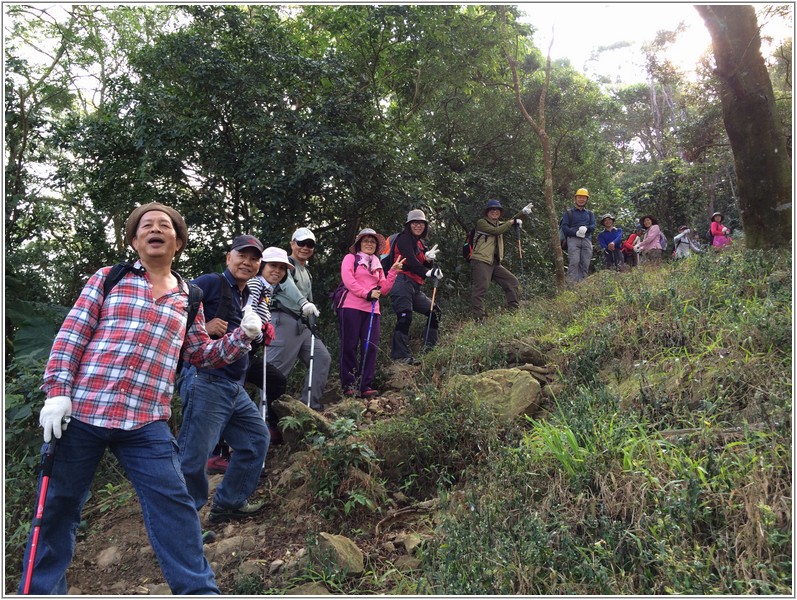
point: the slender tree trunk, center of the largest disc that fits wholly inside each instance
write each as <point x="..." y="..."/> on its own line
<point x="763" y="167"/>
<point x="538" y="125"/>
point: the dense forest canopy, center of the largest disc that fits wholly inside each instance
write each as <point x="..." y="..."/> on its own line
<point x="262" y="118"/>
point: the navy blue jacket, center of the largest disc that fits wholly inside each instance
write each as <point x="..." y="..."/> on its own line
<point x="211" y="288"/>
<point x="580" y="217"/>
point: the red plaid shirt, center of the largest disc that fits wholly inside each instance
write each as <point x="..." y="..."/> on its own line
<point x="116" y="359"/>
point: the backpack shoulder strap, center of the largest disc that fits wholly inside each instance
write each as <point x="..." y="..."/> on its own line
<point x="225" y="304"/>
<point x="118" y="271"/>
<point x="194" y="301"/>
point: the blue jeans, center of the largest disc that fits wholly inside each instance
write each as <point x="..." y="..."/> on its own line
<point x="215" y="407"/>
<point x="148" y="456"/>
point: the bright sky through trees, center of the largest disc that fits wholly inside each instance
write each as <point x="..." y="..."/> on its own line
<point x="582" y="28"/>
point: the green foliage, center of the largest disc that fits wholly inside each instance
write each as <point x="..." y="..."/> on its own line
<point x="344" y="470"/>
<point x="442" y="435"/>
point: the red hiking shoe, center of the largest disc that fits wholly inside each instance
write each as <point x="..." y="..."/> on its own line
<point x="218" y="464"/>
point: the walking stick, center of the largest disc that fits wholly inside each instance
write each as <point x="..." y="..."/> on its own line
<point x="311" y="325"/>
<point x="47" y="470"/>
<point x="435" y="281"/>
<point x="367" y="344"/>
<point x="263" y="395"/>
<point x="520" y="253"/>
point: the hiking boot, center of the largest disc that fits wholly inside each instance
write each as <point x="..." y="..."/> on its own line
<point x="208" y="537"/>
<point x="369" y="393"/>
<point x="350" y="392"/>
<point x="218" y="464"/>
<point x="220" y="514"/>
<point x="275" y="434"/>
<point x="410" y="360"/>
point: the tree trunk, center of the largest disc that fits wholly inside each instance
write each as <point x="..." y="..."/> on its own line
<point x="763" y="167"/>
<point x="538" y="126"/>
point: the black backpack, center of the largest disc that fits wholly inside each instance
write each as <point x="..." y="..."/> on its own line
<point x="562" y="236"/>
<point x="339" y="295"/>
<point x="388" y="258"/>
<point x="194" y="293"/>
<point x="470" y="243"/>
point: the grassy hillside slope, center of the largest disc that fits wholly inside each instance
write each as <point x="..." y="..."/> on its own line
<point x="665" y="464"/>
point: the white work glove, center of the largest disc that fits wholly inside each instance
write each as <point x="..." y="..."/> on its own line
<point x="251" y="323"/>
<point x="526" y="210"/>
<point x="432" y="254"/>
<point x="638" y="249"/>
<point x="582" y="231"/>
<point x="518" y="223"/>
<point x="308" y="308"/>
<point x="435" y="272"/>
<point x="55" y="416"/>
<point x="725" y="231"/>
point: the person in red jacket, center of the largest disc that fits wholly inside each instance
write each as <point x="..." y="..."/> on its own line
<point x="629" y="253"/>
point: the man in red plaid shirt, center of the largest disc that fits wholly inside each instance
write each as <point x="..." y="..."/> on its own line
<point x="110" y="377"/>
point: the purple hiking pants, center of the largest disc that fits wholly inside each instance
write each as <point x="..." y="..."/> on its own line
<point x="353" y="334"/>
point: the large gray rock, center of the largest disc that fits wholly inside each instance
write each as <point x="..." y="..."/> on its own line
<point x="288" y="406"/>
<point x="339" y="552"/>
<point x="510" y="392"/>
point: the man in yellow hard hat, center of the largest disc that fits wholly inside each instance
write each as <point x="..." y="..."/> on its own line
<point x="578" y="225"/>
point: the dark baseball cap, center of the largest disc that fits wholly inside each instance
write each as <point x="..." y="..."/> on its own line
<point x="247" y="241"/>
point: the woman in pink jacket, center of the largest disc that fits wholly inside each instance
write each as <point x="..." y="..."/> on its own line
<point x="365" y="282"/>
<point x="720" y="235"/>
<point x="650" y="247"/>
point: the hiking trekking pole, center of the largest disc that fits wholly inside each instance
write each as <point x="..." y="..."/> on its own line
<point x="520" y="253"/>
<point x="311" y="325"/>
<point x="367" y="343"/>
<point x="47" y="470"/>
<point x="435" y="281"/>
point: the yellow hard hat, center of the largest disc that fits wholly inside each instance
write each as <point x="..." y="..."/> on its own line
<point x="582" y="192"/>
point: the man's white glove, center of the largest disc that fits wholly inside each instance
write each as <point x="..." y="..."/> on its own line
<point x="582" y="231"/>
<point x="251" y="323"/>
<point x="526" y="210"/>
<point x="55" y="416"/>
<point x="435" y="272"/>
<point x="432" y="254"/>
<point x="308" y="308"/>
<point x="518" y="223"/>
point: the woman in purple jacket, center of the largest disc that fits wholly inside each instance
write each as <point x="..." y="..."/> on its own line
<point x="365" y="282"/>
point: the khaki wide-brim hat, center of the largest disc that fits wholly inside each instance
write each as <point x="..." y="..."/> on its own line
<point x="131" y="225"/>
<point x="380" y="240"/>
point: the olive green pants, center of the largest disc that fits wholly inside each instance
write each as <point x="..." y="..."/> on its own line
<point x="482" y="274"/>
